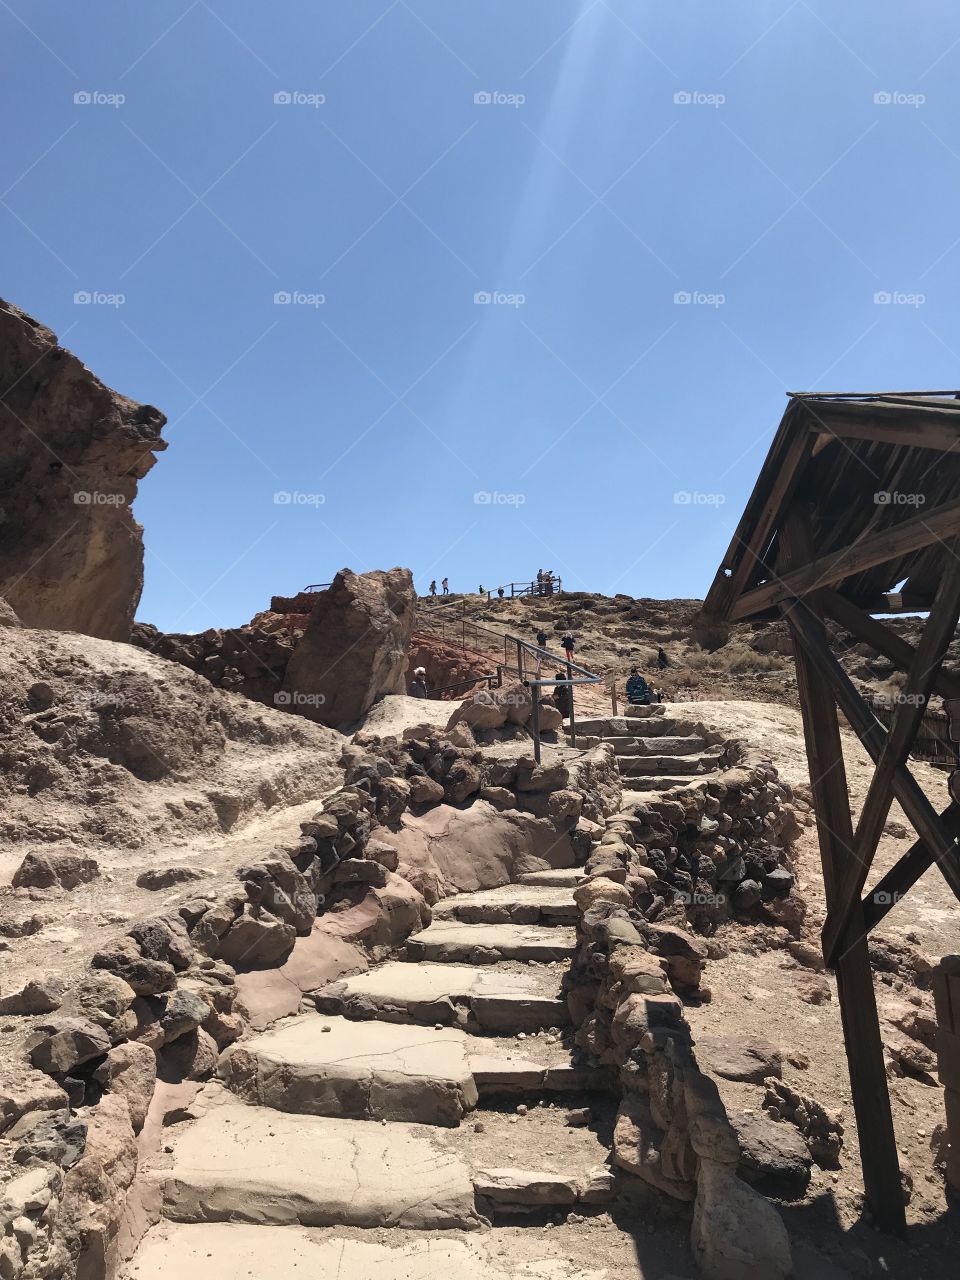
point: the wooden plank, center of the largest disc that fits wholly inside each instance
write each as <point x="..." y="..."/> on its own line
<point x="889" y="544"/>
<point x="934" y="435"/>
<point x="905" y="873"/>
<point x="858" y="1008"/>
<point x="880" y="637"/>
<point x="920" y="812"/>
<point x="915" y="694"/>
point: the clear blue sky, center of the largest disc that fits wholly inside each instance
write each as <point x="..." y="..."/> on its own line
<point x="782" y="196"/>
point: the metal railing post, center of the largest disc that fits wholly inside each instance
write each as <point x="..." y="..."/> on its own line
<point x="520" y="659"/>
<point x="535" y="721"/>
<point x="573" y="718"/>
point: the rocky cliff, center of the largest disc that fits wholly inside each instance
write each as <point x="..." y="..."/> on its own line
<point x="71" y="453"/>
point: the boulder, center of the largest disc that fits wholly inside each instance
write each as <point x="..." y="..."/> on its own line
<point x="773" y="1156"/>
<point x="95" y="1189"/>
<point x="130" y="1070"/>
<point x="167" y="877"/>
<point x="353" y="650"/>
<point x="71" y="558"/>
<point x="185" y="1011"/>
<point x="163" y="938"/>
<point x="743" y="1058"/>
<point x="63" y="1043"/>
<point x="8" y="617"/>
<point x="190" y="1057"/>
<point x="424" y="790"/>
<point x="145" y="977"/>
<point x="480" y="711"/>
<point x="736" y="1234"/>
<point x="39" y="995"/>
<point x="275" y="885"/>
<point x="255" y="939"/>
<point x="54" y="870"/>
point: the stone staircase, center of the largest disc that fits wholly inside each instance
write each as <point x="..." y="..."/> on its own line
<point x="656" y="748"/>
<point x="437" y="1091"/>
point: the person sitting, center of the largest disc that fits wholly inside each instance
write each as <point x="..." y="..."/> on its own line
<point x="418" y="685"/>
<point x="662" y="660"/>
<point x="638" y="691"/>
<point x="563" y="695"/>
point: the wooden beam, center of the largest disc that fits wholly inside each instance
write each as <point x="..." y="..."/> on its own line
<point x="920" y="812"/>
<point x="874" y="549"/>
<point x="858" y="1007"/>
<point x="915" y="695"/>
<point x="905" y="873"/>
<point x="880" y="637"/>
<point x="944" y="437"/>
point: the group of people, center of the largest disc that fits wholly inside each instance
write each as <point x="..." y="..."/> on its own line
<point x="639" y="692"/>
<point x="545" y="582"/>
<point x="445" y="585"/>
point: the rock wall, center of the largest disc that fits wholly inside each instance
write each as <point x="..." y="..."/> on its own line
<point x="71" y="453"/>
<point x="239" y="659"/>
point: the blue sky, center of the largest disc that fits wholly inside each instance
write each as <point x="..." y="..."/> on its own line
<point x="677" y="212"/>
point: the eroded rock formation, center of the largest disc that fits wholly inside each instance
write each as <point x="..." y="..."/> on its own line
<point x="71" y="453"/>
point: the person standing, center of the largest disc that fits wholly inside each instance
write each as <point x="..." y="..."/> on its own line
<point x="567" y="643"/>
<point x="662" y="660"/>
<point x="500" y="592"/>
<point x="446" y="586"/>
<point x="433" y="587"/>
<point x="418" y="685"/>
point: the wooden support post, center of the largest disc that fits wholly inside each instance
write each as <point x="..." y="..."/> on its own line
<point x="858" y="1008"/>
<point x="535" y="720"/>
<point x="905" y="872"/>
<point x="573" y="717"/>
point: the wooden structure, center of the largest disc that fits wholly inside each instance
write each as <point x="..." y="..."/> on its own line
<point x="857" y="512"/>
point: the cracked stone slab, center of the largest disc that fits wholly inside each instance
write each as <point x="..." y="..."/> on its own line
<point x="223" y="1251"/>
<point x="487" y="943"/>
<point x="511" y="904"/>
<point x="253" y="1164"/>
<point x="559" y="878"/>
<point x="485" y="1000"/>
<point x="526" y="1187"/>
<point x="356" y="1070"/>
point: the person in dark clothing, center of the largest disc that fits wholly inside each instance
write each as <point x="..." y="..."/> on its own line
<point x="567" y="643"/>
<point x="418" y="685"/>
<point x="563" y="695"/>
<point x="433" y="587"/>
<point x="662" y="659"/>
<point x="541" y="639"/>
<point x="446" y="586"/>
<point x="638" y="691"/>
<point x="500" y="592"/>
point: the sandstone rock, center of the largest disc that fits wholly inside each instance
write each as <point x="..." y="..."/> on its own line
<point x="518" y="702"/>
<point x="54" y="870"/>
<point x="145" y="977"/>
<point x="163" y="938"/>
<point x="744" y="1058"/>
<point x="39" y="995"/>
<point x="166" y="877"/>
<point x="192" y="1056"/>
<point x="69" y="560"/>
<point x="95" y="1189"/>
<point x="543" y="778"/>
<point x="131" y="1071"/>
<point x="360" y="871"/>
<point x="424" y="790"/>
<point x="637" y="1147"/>
<point x="353" y="650"/>
<point x="812" y="988"/>
<point x="185" y="1012"/>
<point x="481" y="711"/>
<point x="598" y="890"/>
<point x="30" y="1091"/>
<point x="550" y="718"/>
<point x="275" y="885"/>
<point x="462" y="780"/>
<point x="773" y="1156"/>
<point x="525" y="1187"/>
<point x="821" y="1127"/>
<point x="256" y="938"/>
<point x="105" y="999"/>
<point x="63" y="1043"/>
<point x="8" y="617"/>
<point x="736" y="1235"/>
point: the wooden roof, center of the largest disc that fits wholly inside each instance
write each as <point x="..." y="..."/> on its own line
<point x="878" y="478"/>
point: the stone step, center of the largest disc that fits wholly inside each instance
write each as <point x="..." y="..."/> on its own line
<point x="331" y="1066"/>
<point x="357" y="1070"/>
<point x="228" y="1250"/>
<point x="645" y="787"/>
<point x="643" y="766"/>
<point x="686" y="744"/>
<point x="253" y="1164"/>
<point x="481" y="1000"/>
<point x="487" y="943"/>
<point x="511" y="904"/>
<point x="559" y="878"/>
